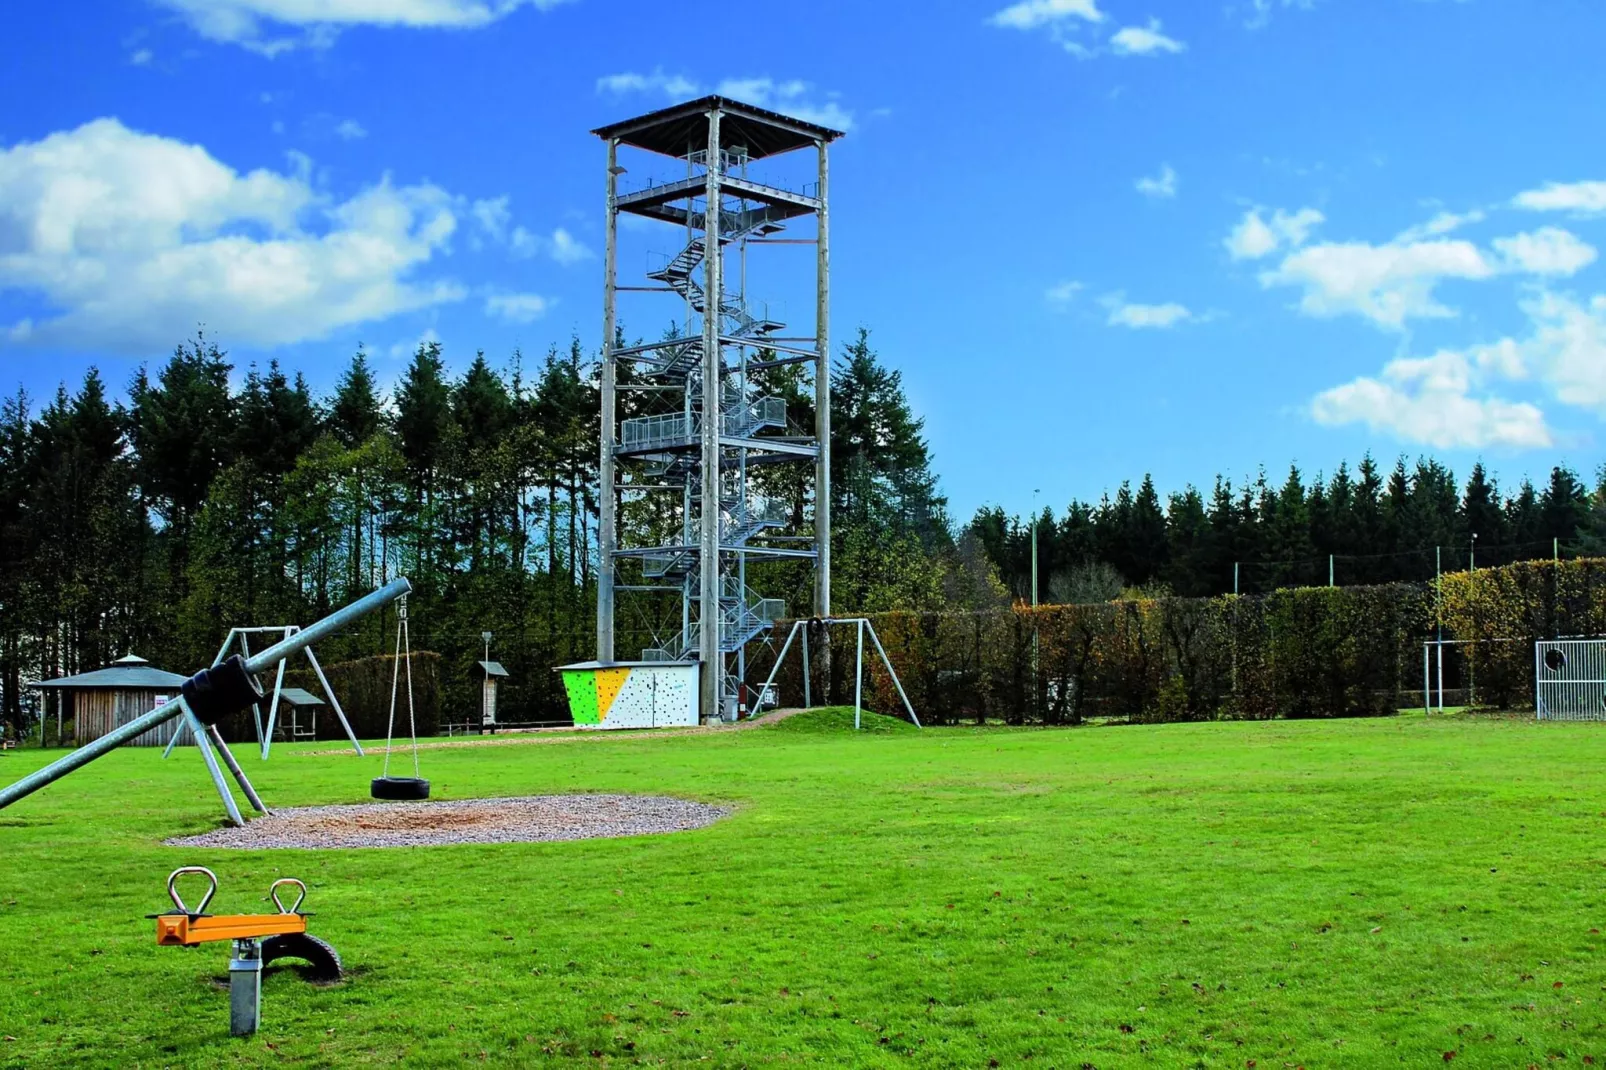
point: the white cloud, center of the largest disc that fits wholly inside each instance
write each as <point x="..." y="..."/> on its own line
<point x="761" y="91"/>
<point x="141" y="57"/>
<point x="1141" y="317"/>
<point x="129" y="240"/>
<point x="1062" y="293"/>
<point x="1430" y="400"/>
<point x="1255" y="237"/>
<point x="1395" y="281"/>
<point x="1144" y="41"/>
<point x="1162" y="185"/>
<point x="1449" y="400"/>
<point x="1442" y="223"/>
<point x="1568" y="348"/>
<point x="1583" y="198"/>
<point x="560" y="245"/>
<point x="792" y="97"/>
<point x="492" y="216"/>
<point x="1030" y="14"/>
<point x="517" y="308"/>
<point x="1546" y="251"/>
<point x="565" y="250"/>
<point x="247" y="22"/>
<point x="350" y="130"/>
<point x="493" y="221"/>
<point x="404" y="350"/>
<point x="1260" y="10"/>
<point x="674" y="86"/>
<point x="1386" y="284"/>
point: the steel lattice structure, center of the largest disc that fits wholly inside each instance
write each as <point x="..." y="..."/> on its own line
<point x="700" y="453"/>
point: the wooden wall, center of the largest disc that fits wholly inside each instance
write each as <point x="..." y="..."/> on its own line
<point x="97" y="712"/>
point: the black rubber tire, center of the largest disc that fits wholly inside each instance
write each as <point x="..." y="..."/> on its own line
<point x="323" y="959"/>
<point x="397" y="788"/>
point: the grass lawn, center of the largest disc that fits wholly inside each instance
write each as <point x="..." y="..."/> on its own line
<point x="1354" y="893"/>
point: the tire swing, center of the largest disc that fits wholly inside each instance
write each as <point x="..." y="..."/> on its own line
<point x="385" y="786"/>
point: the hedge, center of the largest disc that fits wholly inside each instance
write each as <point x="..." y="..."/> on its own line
<point x="1506" y="610"/>
<point x="1306" y="652"/>
<point x="363" y="688"/>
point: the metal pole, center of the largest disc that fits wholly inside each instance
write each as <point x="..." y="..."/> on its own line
<point x="822" y="398"/>
<point x="333" y="701"/>
<point x="245" y="987"/>
<point x="1438" y="616"/>
<point x="1036" y="640"/>
<point x="234" y="767"/>
<point x="1472" y="649"/>
<point x="204" y="745"/>
<point x="1427" y="683"/>
<point x="256" y="708"/>
<point x="808" y="697"/>
<point x="894" y="674"/>
<point x="858" y="678"/>
<point x="273" y="704"/>
<point x="178" y="730"/>
<point x="778" y="660"/>
<point x="1329" y="570"/>
<point x="174" y="708"/>
<point x="709" y="613"/>
<point x="1034" y="551"/>
<point x="1235" y="578"/>
<point x="607" y="532"/>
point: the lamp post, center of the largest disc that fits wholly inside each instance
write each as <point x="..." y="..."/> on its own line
<point x="1472" y="589"/>
<point x="1035" y="492"/>
<point x="1036" y="685"/>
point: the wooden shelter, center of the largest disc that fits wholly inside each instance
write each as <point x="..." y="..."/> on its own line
<point x="102" y="700"/>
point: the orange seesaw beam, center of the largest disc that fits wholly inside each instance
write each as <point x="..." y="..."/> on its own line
<point x="181" y="930"/>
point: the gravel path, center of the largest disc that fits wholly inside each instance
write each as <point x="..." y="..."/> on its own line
<point x="530" y="819"/>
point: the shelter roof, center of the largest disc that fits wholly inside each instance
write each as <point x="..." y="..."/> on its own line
<point x="683" y="128"/>
<point x="120" y="677"/>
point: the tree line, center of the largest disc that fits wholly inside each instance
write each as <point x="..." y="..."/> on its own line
<point x="205" y="498"/>
<point x="208" y="496"/>
<point x="1360" y="526"/>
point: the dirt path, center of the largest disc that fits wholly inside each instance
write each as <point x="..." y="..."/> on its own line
<point x="532" y="736"/>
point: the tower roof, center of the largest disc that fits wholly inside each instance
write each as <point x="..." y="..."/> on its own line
<point x="683" y="128"/>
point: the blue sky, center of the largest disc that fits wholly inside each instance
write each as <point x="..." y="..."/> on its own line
<point x="1099" y="237"/>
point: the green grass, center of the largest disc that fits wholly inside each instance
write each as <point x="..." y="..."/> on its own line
<point x="1361" y="893"/>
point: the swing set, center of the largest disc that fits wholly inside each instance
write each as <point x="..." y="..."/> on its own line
<point x="385" y="786"/>
<point x="242" y="638"/>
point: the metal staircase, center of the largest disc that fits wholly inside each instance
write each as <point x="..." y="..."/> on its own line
<point x="744" y="616"/>
<point x="677" y="494"/>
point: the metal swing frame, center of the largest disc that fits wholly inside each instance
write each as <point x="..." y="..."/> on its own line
<point x="861" y="626"/>
<point x="404" y="649"/>
<point x="245" y="671"/>
<point x="265" y="737"/>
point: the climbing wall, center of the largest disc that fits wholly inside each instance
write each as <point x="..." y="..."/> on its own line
<point x="634" y="696"/>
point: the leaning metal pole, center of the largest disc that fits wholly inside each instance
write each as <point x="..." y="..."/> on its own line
<point x="267" y="659"/>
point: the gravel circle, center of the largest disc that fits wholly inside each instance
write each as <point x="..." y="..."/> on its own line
<point x="527" y="819"/>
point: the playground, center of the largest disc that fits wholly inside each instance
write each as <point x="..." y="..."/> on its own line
<point x="1322" y="893"/>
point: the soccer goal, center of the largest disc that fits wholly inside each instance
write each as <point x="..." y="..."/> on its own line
<point x="1570" y="679"/>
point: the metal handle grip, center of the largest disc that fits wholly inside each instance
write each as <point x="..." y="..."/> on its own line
<point x="273" y="893"/>
<point x="172" y="889"/>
